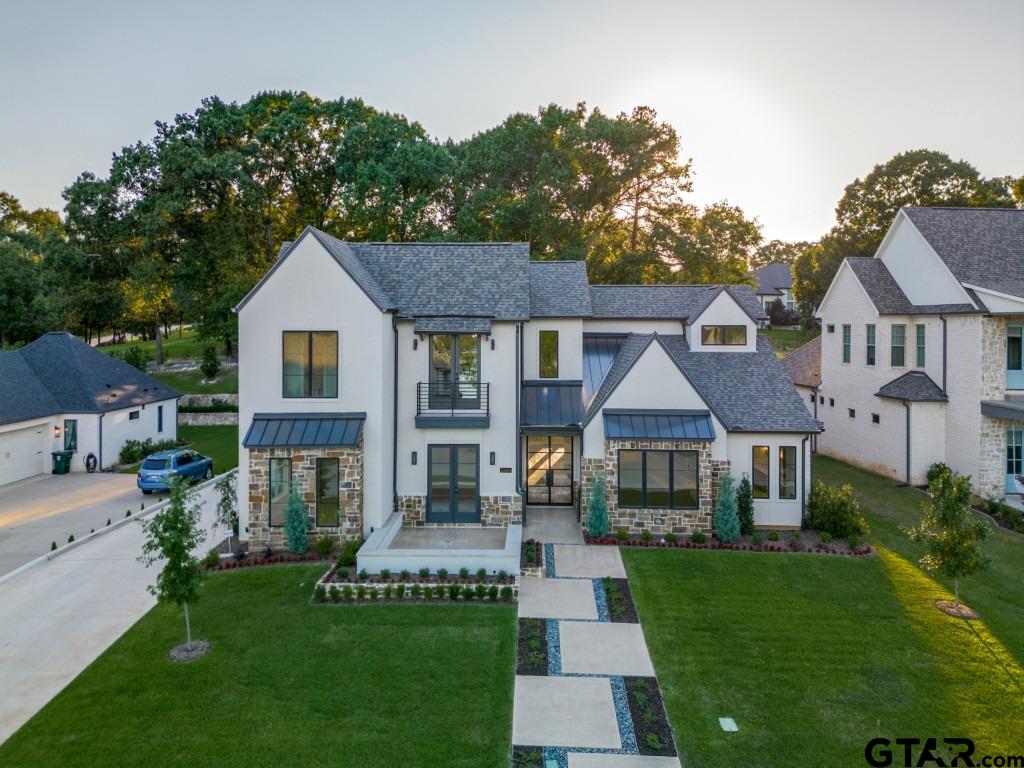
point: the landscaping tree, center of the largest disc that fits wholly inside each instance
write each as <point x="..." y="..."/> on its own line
<point x="950" y="532"/>
<point x="597" y="509"/>
<point x="295" y="523"/>
<point x="745" y="506"/>
<point x="227" y="503"/>
<point x="727" y="524"/>
<point x="211" y="364"/>
<point x="172" y="534"/>
<point x="833" y="509"/>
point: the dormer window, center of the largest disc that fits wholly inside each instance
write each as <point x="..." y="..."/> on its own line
<point x="723" y="335"/>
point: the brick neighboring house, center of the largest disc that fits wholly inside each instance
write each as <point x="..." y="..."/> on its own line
<point x="921" y="352"/>
<point x="462" y="384"/>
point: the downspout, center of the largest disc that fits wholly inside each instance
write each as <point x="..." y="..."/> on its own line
<point x="394" y="425"/>
<point x="519" y="392"/>
<point x="101" y="440"/>
<point x="943" y="319"/>
<point x="814" y="440"/>
<point x="907" y="406"/>
<point x="803" y="479"/>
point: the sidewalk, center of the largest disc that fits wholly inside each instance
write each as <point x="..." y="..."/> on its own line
<point x="579" y="712"/>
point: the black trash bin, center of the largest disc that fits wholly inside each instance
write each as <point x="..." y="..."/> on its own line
<point x="61" y="462"/>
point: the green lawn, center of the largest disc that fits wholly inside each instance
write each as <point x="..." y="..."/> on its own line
<point x="175" y="347"/>
<point x="813" y="656"/>
<point x="289" y="683"/>
<point x="191" y="382"/>
<point x="219" y="442"/>
<point x="786" y="341"/>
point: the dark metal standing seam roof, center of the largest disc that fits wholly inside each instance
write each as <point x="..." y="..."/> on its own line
<point x="658" y="424"/>
<point x="598" y="354"/>
<point x="552" y="403"/>
<point x="304" y="430"/>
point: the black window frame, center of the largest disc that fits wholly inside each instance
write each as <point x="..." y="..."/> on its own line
<point x="725" y="327"/>
<point x="71" y="428"/>
<point x="851" y="413"/>
<point x="134" y="415"/>
<point x="337" y="491"/>
<point x="159" y="419"/>
<point x="847" y="343"/>
<point x="876" y="419"/>
<point x="767" y="471"/>
<point x="870" y="333"/>
<point x="920" y="345"/>
<point x="307" y="375"/>
<point x="830" y="328"/>
<point x="540" y="353"/>
<point x="270" y="488"/>
<point x="671" y="478"/>
<point x="783" y="449"/>
<point x="901" y="347"/>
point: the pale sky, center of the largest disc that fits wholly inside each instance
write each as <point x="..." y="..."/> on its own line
<point x="780" y="104"/>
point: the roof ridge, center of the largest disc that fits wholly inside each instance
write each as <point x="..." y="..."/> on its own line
<point x="962" y="208"/>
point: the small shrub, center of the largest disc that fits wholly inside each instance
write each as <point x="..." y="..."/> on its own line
<point x="71" y="538"/>
<point x="127" y="513"/>
<point x="597" y="509"/>
<point x="756" y="539"/>
<point x="400" y="590"/>
<point x="826" y="537"/>
<point x="834" y="509"/>
<point x="387" y="592"/>
<point x="745" y="506"/>
<point x="134" y="451"/>
<point x="937" y="469"/>
<point x="502" y="575"/>
<point x="424" y="573"/>
<point x="439" y="591"/>
<point x="404" y="575"/>
<point x="796" y="535"/>
<point x="136" y="356"/>
<point x="463" y="573"/>
<point x="212" y="559"/>
<point x="346" y="593"/>
<point x="622" y="534"/>
<point x="53" y="545"/>
<point x="492" y="592"/>
<point x="334" y="593"/>
<point x="467" y="593"/>
<point x="773" y="535"/>
<point x="342" y="574"/>
<point x="506" y="593"/>
<point x="385" y="574"/>
<point x="646" y="535"/>
<point x="453" y="591"/>
<point x="428" y="592"/>
<point x="653" y="742"/>
<point x="210" y="365"/>
<point x="319" y="594"/>
<point x="480" y="591"/>
<point x="727" y="523"/>
<point x="414" y="591"/>
<point x="698" y="537"/>
<point x="360" y="591"/>
<point x="348" y="552"/>
<point x="671" y="538"/>
<point x="853" y="542"/>
<point x="442" y="574"/>
<point x="363" y="575"/>
<point x="108" y="521"/>
<point x="374" y="593"/>
<point x="324" y="545"/>
<point x="295" y="519"/>
<point x="481" y="574"/>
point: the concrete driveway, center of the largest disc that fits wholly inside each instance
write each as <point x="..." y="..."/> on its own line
<point x="40" y="510"/>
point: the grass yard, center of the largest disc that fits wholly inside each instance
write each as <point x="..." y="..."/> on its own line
<point x="786" y="341"/>
<point x="219" y="442"/>
<point x="191" y="382"/>
<point x="289" y="683"/>
<point x="814" y="656"/>
<point x="175" y="347"/>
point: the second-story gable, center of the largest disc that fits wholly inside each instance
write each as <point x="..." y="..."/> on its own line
<point x="723" y="325"/>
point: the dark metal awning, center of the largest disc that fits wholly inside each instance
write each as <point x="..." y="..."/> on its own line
<point x="453" y="325"/>
<point x="1003" y="409"/>
<point x="660" y="424"/>
<point x="552" y="404"/>
<point x="304" y="430"/>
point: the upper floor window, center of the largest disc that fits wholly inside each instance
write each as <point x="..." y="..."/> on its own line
<point x="898" y="351"/>
<point x="310" y="363"/>
<point x="723" y="335"/>
<point x="870" y="354"/>
<point x="548" y="350"/>
<point x="846" y="343"/>
<point x="920" y="346"/>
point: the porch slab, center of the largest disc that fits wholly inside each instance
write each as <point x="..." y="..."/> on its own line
<point x="597" y="760"/>
<point x="552" y="525"/>
<point x="604" y="648"/>
<point x="565" y="712"/>
<point x="556" y="599"/>
<point x="588" y="562"/>
<point x="449" y="538"/>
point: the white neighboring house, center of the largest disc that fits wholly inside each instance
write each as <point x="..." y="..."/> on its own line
<point x="921" y="350"/>
<point x="772" y="283"/>
<point x="58" y="393"/>
<point x="462" y="384"/>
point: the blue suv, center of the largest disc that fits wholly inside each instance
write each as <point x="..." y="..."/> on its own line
<point x="159" y="469"/>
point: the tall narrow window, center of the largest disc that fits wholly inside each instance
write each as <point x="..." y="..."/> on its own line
<point x="327" y="509"/>
<point x="70" y="434"/>
<point x="159" y="418"/>
<point x="280" y="487"/>
<point x="760" y="471"/>
<point x="870" y="347"/>
<point x="846" y="343"/>
<point x="1014" y="451"/>
<point x="787" y="472"/>
<point x="684" y="480"/>
<point x="548" y="345"/>
<point x="631" y="478"/>
<point x="898" y="350"/>
<point x="920" y="346"/>
<point x="309" y="363"/>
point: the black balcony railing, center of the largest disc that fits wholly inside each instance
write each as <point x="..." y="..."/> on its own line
<point x="453" y="398"/>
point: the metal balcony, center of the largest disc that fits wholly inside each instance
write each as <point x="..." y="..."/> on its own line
<point x="463" y="404"/>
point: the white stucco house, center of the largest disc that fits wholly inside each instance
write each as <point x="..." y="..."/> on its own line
<point x="464" y="384"/>
<point x="921" y="356"/>
<point x="59" y="394"/>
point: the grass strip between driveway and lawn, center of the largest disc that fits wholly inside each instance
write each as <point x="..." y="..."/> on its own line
<point x="814" y="656"/>
<point x="289" y="682"/>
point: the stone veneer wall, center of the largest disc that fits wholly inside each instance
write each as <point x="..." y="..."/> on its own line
<point x="494" y="511"/>
<point x="350" y="492"/>
<point x="991" y="480"/>
<point x="636" y="521"/>
<point x="993" y="358"/>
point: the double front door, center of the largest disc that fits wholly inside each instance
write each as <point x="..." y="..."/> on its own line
<point x="454" y="472"/>
<point x="549" y="469"/>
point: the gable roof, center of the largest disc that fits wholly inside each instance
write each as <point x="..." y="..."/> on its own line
<point x="803" y="364"/>
<point x="666" y="302"/>
<point x="981" y="246"/>
<point x="559" y="289"/>
<point x="886" y="294"/>
<point x="914" y="387"/>
<point x="771" y="279"/>
<point x="58" y="373"/>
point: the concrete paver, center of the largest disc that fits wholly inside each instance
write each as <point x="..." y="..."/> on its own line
<point x="589" y="562"/>
<point x="603" y="648"/>
<point x="595" y="760"/>
<point x="557" y="599"/>
<point x="552" y="525"/>
<point x="565" y="712"/>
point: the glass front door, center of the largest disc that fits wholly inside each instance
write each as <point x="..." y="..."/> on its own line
<point x="1014" y="457"/>
<point x="454" y="371"/>
<point x="454" y="473"/>
<point x="549" y="469"/>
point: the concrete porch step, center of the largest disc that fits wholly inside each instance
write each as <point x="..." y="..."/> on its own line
<point x="552" y="525"/>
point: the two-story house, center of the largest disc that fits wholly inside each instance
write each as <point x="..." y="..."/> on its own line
<point x="921" y="354"/>
<point x="463" y="384"/>
<point x="774" y="282"/>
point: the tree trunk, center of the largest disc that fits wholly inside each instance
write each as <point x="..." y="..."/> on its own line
<point x="159" y="337"/>
<point x="227" y="345"/>
<point x="956" y="591"/>
<point x="188" y="628"/>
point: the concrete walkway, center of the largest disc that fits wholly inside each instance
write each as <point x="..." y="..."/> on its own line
<point x="579" y="711"/>
<point x="57" y="617"/>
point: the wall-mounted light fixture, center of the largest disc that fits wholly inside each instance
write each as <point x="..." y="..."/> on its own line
<point x="492" y="345"/>
<point x="415" y="343"/>
<point x="493" y="458"/>
<point x="56" y="431"/>
<point x="414" y="457"/>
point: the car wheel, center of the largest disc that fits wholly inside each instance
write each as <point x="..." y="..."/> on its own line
<point x="209" y="473"/>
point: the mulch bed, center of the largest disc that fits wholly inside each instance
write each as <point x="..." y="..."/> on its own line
<point x="531" y="554"/>
<point x="960" y="611"/>
<point x="653" y="733"/>
<point x="182" y="653"/>
<point x="532" y="648"/>
<point x="621" y="609"/>
<point x="527" y="757"/>
<point x="265" y="559"/>
<point x="808" y="543"/>
<point x="342" y="575"/>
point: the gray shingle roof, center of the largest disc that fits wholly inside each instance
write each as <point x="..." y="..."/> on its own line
<point x="559" y="289"/>
<point x="771" y="279"/>
<point x="981" y="246"/>
<point x="886" y="294"/>
<point x="803" y="364"/>
<point x="59" y="373"/>
<point x="666" y="302"/>
<point x="453" y="325"/>
<point x="915" y="387"/>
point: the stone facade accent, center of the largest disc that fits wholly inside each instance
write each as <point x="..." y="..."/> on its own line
<point x="202" y="401"/>
<point x="657" y="521"/>
<point x="350" y="480"/>
<point x="207" y="419"/>
<point x="993" y="358"/>
<point x="494" y="511"/>
<point x="991" y="480"/>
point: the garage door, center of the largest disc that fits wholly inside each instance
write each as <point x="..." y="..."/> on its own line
<point x="21" y="453"/>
